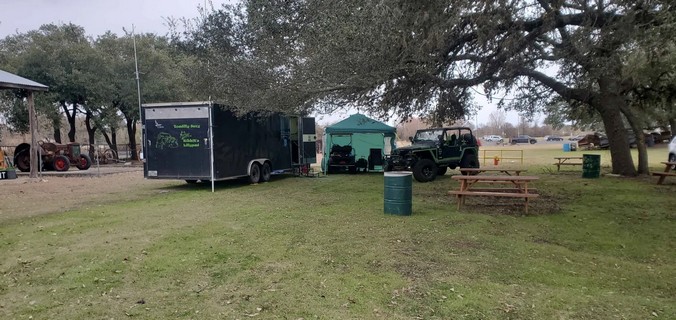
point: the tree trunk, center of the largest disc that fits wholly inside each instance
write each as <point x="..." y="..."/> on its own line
<point x="71" y="120"/>
<point x="672" y="126"/>
<point x="113" y="139"/>
<point x="620" y="152"/>
<point x="610" y="104"/>
<point x="640" y="140"/>
<point x="91" y="130"/>
<point x="57" y="131"/>
<point x="107" y="138"/>
<point x="131" y="131"/>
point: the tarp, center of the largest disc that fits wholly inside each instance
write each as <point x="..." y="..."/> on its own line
<point x="359" y="123"/>
<point x="363" y="134"/>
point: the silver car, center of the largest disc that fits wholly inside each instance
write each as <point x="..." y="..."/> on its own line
<point x="492" y="138"/>
<point x="672" y="149"/>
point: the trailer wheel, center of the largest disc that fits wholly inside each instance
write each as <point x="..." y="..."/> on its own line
<point x="61" y="163"/>
<point x="266" y="171"/>
<point x="255" y="173"/>
<point x="85" y="162"/>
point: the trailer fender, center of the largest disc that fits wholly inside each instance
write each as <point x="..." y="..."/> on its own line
<point x="260" y="162"/>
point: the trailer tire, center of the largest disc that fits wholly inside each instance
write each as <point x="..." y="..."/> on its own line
<point x="61" y="163"/>
<point x="266" y="171"/>
<point x="255" y="173"/>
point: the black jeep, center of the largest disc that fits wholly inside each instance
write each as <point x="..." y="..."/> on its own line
<point x="433" y="151"/>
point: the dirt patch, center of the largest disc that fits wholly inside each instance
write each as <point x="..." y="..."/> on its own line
<point x="25" y="197"/>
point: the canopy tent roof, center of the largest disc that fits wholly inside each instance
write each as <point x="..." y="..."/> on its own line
<point x="12" y="81"/>
<point x="359" y="123"/>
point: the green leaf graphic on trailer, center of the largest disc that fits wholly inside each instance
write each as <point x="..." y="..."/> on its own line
<point x="165" y="140"/>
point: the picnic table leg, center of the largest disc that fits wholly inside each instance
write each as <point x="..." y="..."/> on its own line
<point x="666" y="169"/>
<point x="661" y="179"/>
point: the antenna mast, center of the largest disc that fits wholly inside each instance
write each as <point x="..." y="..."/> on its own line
<point x="138" y="80"/>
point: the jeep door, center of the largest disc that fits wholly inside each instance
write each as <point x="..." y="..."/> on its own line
<point x="451" y="146"/>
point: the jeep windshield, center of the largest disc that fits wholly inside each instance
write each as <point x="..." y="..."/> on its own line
<point x="428" y="135"/>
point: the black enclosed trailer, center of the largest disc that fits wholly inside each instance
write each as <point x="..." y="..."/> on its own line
<point x="178" y="143"/>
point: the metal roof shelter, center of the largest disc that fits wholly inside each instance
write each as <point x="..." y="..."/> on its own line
<point x="12" y="81"/>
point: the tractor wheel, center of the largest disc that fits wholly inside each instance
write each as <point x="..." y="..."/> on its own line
<point x="266" y="171"/>
<point x="84" y="162"/>
<point x="110" y="155"/>
<point x="255" y="173"/>
<point x="22" y="160"/>
<point x="469" y="161"/>
<point x="442" y="171"/>
<point x="425" y="170"/>
<point x="61" y="163"/>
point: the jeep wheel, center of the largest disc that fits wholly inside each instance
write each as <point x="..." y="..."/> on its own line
<point x="442" y="171"/>
<point x="469" y="161"/>
<point x="425" y="170"/>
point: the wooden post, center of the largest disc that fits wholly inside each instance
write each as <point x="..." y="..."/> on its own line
<point x="34" y="143"/>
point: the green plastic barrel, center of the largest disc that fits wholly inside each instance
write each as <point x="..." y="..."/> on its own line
<point x="591" y="165"/>
<point x="398" y="193"/>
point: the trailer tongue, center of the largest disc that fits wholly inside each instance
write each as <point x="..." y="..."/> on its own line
<point x="179" y="144"/>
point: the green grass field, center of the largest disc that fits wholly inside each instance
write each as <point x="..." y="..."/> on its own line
<point x="321" y="248"/>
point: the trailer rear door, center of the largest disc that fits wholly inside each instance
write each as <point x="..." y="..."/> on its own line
<point x="309" y="140"/>
<point x="177" y="142"/>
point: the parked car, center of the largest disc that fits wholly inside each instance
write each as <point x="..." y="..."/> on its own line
<point x="554" y="138"/>
<point x="596" y="140"/>
<point x="523" y="139"/>
<point x="493" y="138"/>
<point x="672" y="150"/>
<point x="576" y="138"/>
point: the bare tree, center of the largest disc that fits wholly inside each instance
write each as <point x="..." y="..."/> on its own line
<point x="497" y="120"/>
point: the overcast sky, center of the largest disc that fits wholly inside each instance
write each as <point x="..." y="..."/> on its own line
<point x="96" y="16"/>
<point x="99" y="16"/>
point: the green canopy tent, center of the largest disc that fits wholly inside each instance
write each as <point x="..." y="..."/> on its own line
<point x="366" y="140"/>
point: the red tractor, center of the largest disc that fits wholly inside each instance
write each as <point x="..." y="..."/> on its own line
<point x="58" y="157"/>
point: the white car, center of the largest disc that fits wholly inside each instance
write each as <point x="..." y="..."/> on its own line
<point x="672" y="149"/>
<point x="493" y="138"/>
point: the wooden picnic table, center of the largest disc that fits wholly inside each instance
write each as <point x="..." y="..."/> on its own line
<point x="668" y="166"/>
<point x="519" y="187"/>
<point x="563" y="161"/>
<point x="506" y="171"/>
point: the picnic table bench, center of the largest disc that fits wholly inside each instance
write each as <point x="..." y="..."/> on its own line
<point x="563" y="161"/>
<point x="506" y="171"/>
<point x="668" y="166"/>
<point x="519" y="187"/>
